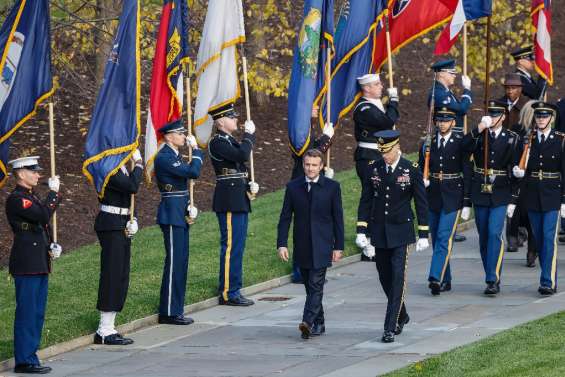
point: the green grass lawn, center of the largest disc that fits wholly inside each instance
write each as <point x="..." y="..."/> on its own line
<point x="71" y="309"/>
<point x="534" y="349"/>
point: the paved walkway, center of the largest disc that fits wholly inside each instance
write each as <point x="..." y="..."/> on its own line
<point x="264" y="340"/>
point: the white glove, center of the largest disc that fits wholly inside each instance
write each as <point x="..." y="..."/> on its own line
<point x="191" y="142"/>
<point x="487" y="121"/>
<point x="55" y="250"/>
<point x="54" y="183"/>
<point x="422" y="244"/>
<point x="510" y="210"/>
<point x="329" y="130"/>
<point x="329" y="173"/>
<point x="361" y="241"/>
<point x="426" y="183"/>
<point x="518" y="173"/>
<point x="249" y="127"/>
<point x="466" y="213"/>
<point x="466" y="82"/>
<point x="562" y="211"/>
<point x="136" y="156"/>
<point x="369" y="251"/>
<point x="192" y="212"/>
<point x="253" y="187"/>
<point x="392" y="93"/>
<point x="132" y="227"/>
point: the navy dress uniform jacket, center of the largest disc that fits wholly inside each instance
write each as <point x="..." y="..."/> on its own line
<point x="172" y="175"/>
<point x="560" y="122"/>
<point x="531" y="88"/>
<point x="369" y="119"/>
<point x="546" y="194"/>
<point x="444" y="97"/>
<point x="385" y="211"/>
<point x="29" y="218"/>
<point x="504" y="154"/>
<point x="450" y="194"/>
<point x="228" y="158"/>
<point x="318" y="225"/>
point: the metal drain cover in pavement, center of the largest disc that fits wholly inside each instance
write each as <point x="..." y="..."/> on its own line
<point x="274" y="298"/>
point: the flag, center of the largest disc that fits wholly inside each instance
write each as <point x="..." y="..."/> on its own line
<point x="359" y="22"/>
<point x="409" y="19"/>
<point x="25" y="65"/>
<point x="464" y="10"/>
<point x="115" y="126"/>
<point x="541" y="22"/>
<point x="308" y="75"/>
<point x="216" y="64"/>
<point x="167" y="91"/>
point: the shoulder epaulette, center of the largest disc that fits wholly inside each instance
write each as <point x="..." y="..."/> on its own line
<point x="559" y="133"/>
<point x="371" y="162"/>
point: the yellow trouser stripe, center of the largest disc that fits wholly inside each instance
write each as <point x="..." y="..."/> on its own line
<point x="227" y="258"/>
<point x="554" y="259"/>
<point x="449" y="246"/>
<point x="500" y="254"/>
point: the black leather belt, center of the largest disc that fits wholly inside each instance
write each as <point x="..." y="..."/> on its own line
<point x="167" y="187"/>
<point x="27" y="227"/>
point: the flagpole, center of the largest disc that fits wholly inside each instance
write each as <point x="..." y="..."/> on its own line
<point x="328" y="97"/>
<point x="465" y="69"/>
<point x="389" y="54"/>
<point x="486" y="187"/>
<point x="52" y="162"/>
<point x="247" y="111"/>
<point x="189" y="125"/>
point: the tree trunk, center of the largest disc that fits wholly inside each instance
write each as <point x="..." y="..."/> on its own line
<point x="106" y="10"/>
<point x="253" y="46"/>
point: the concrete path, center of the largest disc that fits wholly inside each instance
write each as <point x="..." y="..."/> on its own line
<point x="264" y="340"/>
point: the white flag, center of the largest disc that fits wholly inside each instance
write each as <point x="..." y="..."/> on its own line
<point x="216" y="66"/>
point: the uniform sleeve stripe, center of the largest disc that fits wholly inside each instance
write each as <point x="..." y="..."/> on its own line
<point x="423" y="227"/>
<point x="362" y="223"/>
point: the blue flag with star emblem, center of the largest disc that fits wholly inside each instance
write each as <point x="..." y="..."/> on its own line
<point x="25" y="66"/>
<point x="308" y="75"/>
<point x="114" y="129"/>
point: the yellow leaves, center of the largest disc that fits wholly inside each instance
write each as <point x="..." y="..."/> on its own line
<point x="406" y="92"/>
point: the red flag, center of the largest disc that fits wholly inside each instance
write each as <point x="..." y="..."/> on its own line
<point x="541" y="22"/>
<point x="409" y="19"/>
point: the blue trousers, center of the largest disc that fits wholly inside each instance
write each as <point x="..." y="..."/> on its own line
<point x="442" y="229"/>
<point x="31" y="299"/>
<point x="490" y="224"/>
<point x="233" y="232"/>
<point x="173" y="284"/>
<point x="544" y="227"/>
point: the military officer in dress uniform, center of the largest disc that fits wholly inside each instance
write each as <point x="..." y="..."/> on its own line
<point x="545" y="190"/>
<point x="525" y="67"/>
<point x="30" y="259"/>
<point x="386" y="216"/>
<point x="370" y="116"/>
<point x="231" y="200"/>
<point x="449" y="194"/>
<point x="115" y="228"/>
<point x="172" y="174"/>
<point x="495" y="193"/>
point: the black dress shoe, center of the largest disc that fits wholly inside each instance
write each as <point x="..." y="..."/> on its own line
<point x="305" y="329"/>
<point x="531" y="259"/>
<point x="561" y="239"/>
<point x="388" y="337"/>
<point x="400" y="325"/>
<point x="236" y="301"/>
<point x="296" y="280"/>
<point x="511" y="249"/>
<point x="175" y="320"/>
<point x="492" y="289"/>
<point x="546" y="291"/>
<point x="112" y="340"/>
<point x="31" y="369"/>
<point x="365" y="258"/>
<point x="459" y="238"/>
<point x="445" y="287"/>
<point x="318" y="329"/>
<point x="435" y="288"/>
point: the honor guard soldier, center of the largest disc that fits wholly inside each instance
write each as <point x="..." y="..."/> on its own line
<point x="525" y="67"/>
<point x="231" y="200"/>
<point x="545" y="190"/>
<point x="449" y="193"/>
<point x="387" y="193"/>
<point x="370" y="116"/>
<point x="115" y="228"/>
<point x="172" y="174"/>
<point x="30" y="259"/>
<point x="494" y="190"/>
<point x="445" y="74"/>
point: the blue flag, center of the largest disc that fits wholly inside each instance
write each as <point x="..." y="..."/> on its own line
<point x="358" y="24"/>
<point x="115" y="125"/>
<point x="25" y="65"/>
<point x="308" y="75"/>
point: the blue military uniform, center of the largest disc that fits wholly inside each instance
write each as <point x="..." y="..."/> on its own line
<point x="232" y="205"/>
<point x="545" y="190"/>
<point x="172" y="175"/>
<point x="385" y="213"/>
<point x="448" y="192"/>
<point x="534" y="89"/>
<point x="491" y="194"/>
<point x="30" y="265"/>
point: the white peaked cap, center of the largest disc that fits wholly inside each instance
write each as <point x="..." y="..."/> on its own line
<point x="368" y="78"/>
<point x="31" y="162"/>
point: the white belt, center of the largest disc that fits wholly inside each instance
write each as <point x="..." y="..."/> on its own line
<point x="114" y="210"/>
<point x="364" y="144"/>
